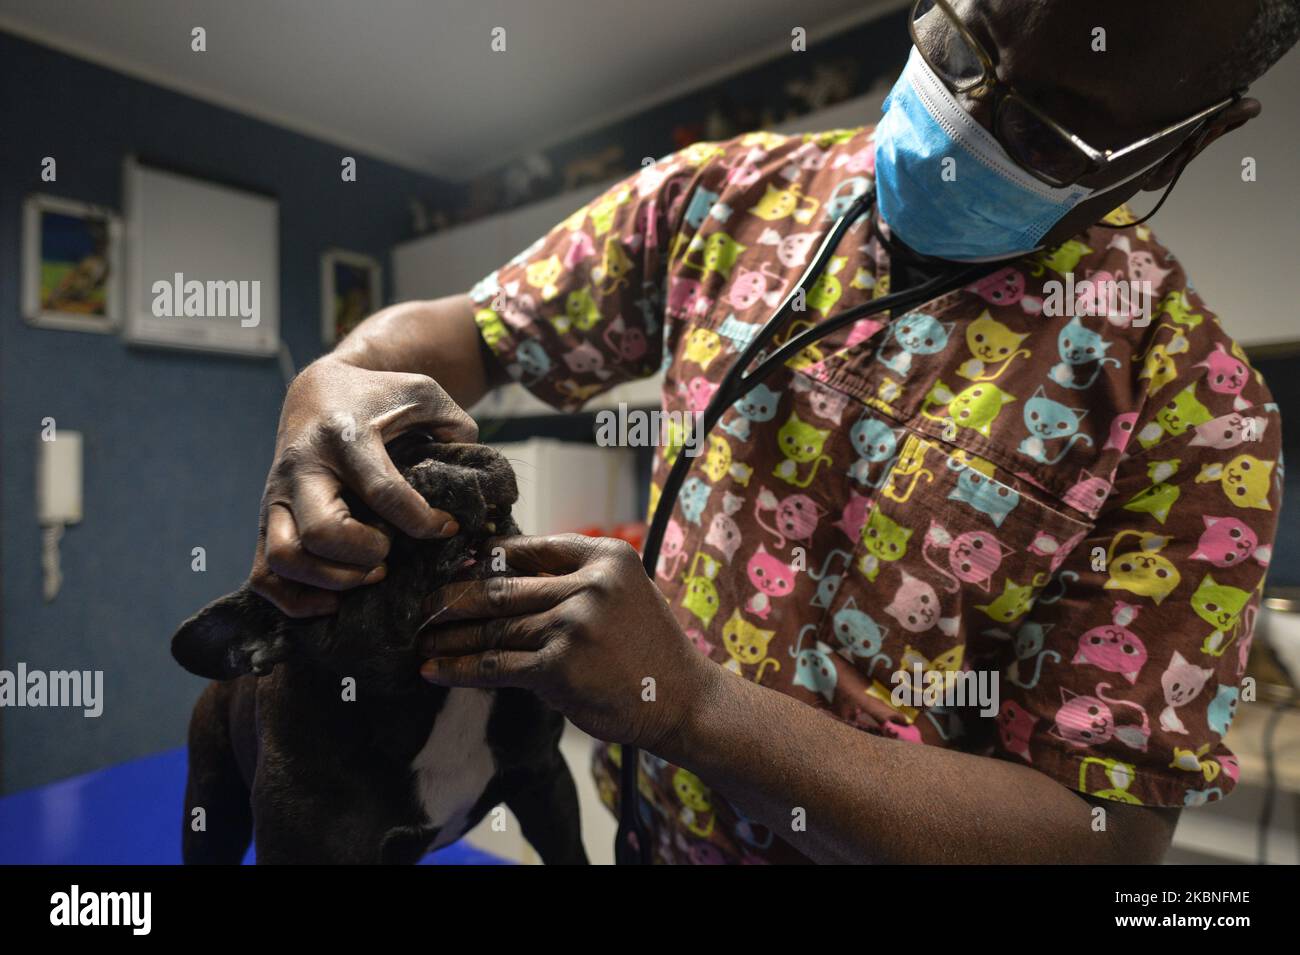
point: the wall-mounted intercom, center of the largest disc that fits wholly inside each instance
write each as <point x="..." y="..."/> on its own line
<point x="58" y="498"/>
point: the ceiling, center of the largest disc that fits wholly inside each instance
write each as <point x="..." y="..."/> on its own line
<point x="417" y="83"/>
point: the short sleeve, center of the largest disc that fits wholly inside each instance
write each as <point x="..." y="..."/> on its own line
<point x="1128" y="675"/>
<point x="581" y="309"/>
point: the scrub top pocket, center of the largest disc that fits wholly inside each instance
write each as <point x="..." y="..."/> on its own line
<point x="951" y="558"/>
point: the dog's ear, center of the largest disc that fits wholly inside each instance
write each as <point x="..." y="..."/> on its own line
<point x="233" y="635"/>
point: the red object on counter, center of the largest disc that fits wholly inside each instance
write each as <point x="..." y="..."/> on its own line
<point x="633" y="532"/>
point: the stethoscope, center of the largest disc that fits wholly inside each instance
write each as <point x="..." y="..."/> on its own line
<point x="632" y="846"/>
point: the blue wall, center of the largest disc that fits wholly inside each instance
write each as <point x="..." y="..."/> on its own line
<point x="177" y="444"/>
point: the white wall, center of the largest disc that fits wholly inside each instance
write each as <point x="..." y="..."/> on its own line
<point x="1238" y="240"/>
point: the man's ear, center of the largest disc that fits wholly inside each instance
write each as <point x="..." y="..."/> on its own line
<point x="233" y="635"/>
<point x="1233" y="117"/>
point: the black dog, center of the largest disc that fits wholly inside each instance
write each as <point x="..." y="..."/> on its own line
<point x="322" y="740"/>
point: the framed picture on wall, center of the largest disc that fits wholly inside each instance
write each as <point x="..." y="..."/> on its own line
<point x="351" y="288"/>
<point x="72" y="265"/>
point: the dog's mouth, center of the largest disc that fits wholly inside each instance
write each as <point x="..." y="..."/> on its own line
<point x="469" y="567"/>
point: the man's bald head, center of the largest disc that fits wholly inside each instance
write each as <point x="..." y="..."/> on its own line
<point x="1113" y="71"/>
<point x="1161" y="61"/>
<point x="1273" y="30"/>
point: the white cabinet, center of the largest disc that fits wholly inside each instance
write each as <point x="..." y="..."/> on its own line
<point x="565" y="486"/>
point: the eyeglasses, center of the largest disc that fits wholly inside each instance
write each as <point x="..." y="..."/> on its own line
<point x="1040" y="145"/>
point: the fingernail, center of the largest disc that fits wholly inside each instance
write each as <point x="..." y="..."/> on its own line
<point x="429" y="670"/>
<point x="450" y="529"/>
<point x="376" y="575"/>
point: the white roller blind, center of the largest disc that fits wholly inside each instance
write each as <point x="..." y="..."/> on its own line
<point x="206" y="233"/>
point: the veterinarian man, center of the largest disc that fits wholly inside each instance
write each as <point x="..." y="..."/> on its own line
<point x="1076" y="497"/>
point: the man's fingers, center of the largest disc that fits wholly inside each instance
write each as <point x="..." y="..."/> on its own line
<point x="555" y="554"/>
<point x="286" y="557"/>
<point x="371" y="473"/>
<point x="430" y="408"/>
<point x="327" y="529"/>
<point x="492" y="669"/>
<point x="529" y="632"/>
<point x="293" y="599"/>
<point x="508" y="633"/>
<point x="495" y="597"/>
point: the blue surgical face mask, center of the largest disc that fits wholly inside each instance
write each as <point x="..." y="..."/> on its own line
<point x="945" y="185"/>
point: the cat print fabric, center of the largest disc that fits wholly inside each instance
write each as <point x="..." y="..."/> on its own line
<point x="1007" y="482"/>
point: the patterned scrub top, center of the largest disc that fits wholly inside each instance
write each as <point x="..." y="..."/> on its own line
<point x="1080" y="507"/>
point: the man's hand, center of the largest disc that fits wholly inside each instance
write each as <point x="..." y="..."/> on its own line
<point x="587" y="640"/>
<point x="335" y="422"/>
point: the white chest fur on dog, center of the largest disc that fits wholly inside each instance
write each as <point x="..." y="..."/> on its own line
<point x="455" y="765"/>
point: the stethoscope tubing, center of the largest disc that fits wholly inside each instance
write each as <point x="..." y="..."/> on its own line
<point x="735" y="385"/>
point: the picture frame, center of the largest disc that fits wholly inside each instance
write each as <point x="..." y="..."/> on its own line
<point x="72" y="265"/>
<point x="352" y="287"/>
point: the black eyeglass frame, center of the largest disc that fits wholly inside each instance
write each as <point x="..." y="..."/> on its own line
<point x="988" y="83"/>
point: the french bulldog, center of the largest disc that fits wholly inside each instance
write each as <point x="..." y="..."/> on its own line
<point x="319" y="739"/>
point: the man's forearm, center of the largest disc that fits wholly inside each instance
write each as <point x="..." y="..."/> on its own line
<point x="437" y="338"/>
<point x="871" y="799"/>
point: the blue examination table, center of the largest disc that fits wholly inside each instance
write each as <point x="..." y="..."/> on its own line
<point x="128" y="814"/>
